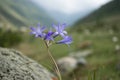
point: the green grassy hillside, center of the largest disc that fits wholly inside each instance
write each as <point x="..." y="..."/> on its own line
<point x="22" y="12"/>
<point x="107" y="16"/>
<point x="101" y="64"/>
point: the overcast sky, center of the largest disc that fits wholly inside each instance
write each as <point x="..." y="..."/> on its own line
<point x="70" y="6"/>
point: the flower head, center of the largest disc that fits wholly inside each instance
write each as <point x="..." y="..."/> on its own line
<point x="38" y="32"/>
<point x="65" y="40"/>
<point x="60" y="30"/>
<point x="48" y="36"/>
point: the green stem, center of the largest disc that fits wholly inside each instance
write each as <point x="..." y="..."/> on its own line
<point x="53" y="60"/>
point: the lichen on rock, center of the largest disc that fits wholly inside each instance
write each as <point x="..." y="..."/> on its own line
<point x="15" y="66"/>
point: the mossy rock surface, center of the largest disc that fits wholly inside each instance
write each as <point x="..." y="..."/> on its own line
<point x="15" y="66"/>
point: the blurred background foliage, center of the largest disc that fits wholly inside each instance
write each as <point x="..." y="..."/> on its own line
<point x="99" y="32"/>
<point x="9" y="38"/>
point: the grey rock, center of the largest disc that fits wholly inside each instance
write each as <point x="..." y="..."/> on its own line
<point x="73" y="61"/>
<point x="82" y="61"/>
<point x="15" y="66"/>
<point x="67" y="64"/>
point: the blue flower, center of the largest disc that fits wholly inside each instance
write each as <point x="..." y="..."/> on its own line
<point x="38" y="32"/>
<point x="60" y="30"/>
<point x="48" y="36"/>
<point x="65" y="40"/>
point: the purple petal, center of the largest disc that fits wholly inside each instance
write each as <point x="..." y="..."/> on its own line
<point x="60" y="30"/>
<point x="55" y="34"/>
<point x="43" y="28"/>
<point x="54" y="26"/>
<point x="66" y="40"/>
<point x="48" y="36"/>
<point x="38" y="32"/>
<point x="63" y="26"/>
<point x="32" y="28"/>
<point x="62" y="34"/>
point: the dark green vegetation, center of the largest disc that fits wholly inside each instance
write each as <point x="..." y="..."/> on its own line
<point x="9" y="38"/>
<point x="106" y="17"/>
<point x="22" y="13"/>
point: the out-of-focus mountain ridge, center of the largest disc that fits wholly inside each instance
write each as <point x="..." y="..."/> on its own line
<point x="22" y="13"/>
<point x="107" y="16"/>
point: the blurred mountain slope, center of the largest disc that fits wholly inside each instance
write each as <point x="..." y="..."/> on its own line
<point x="107" y="15"/>
<point x="22" y="13"/>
